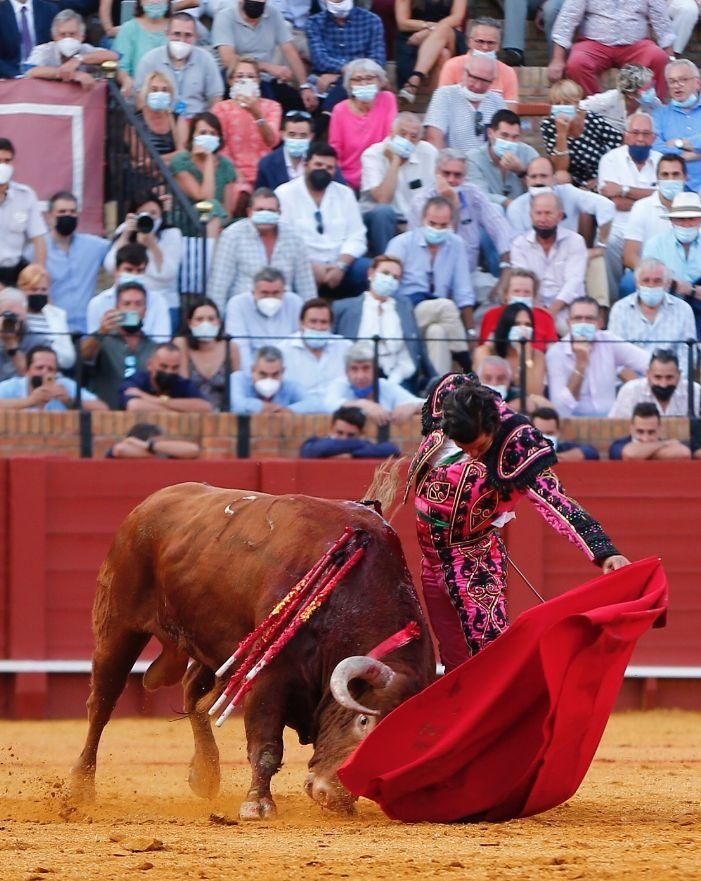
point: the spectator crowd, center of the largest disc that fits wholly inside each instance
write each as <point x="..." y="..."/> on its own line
<point x="358" y="249"/>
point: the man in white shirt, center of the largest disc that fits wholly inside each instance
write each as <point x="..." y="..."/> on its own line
<point x="263" y="317"/>
<point x="395" y="171"/>
<point x="21" y="222"/>
<point x="130" y="265"/>
<point x="627" y="174"/>
<point x="314" y="356"/>
<point x="327" y="217"/>
<point x="650" y="217"/>
<point x="662" y="386"/>
<point x="557" y="255"/>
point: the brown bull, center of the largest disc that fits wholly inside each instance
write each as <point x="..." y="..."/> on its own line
<point x="198" y="568"/>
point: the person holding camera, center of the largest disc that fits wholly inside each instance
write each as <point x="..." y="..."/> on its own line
<point x="145" y="224"/>
<point x="161" y="388"/>
<point x="42" y="388"/>
<point x="13" y="344"/>
<point x="119" y="348"/>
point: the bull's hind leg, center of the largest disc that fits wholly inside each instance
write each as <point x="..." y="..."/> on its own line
<point x="204" y="768"/>
<point x="264" y="726"/>
<point x="113" y="659"/>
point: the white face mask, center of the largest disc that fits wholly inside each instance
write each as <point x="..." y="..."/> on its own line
<point x="269" y="306"/>
<point x="179" y="50"/>
<point x="248" y="88"/>
<point x="205" y="330"/>
<point x="6" y="172"/>
<point x="68" y="46"/>
<point x="342" y="9"/>
<point x="503" y="390"/>
<point x="540" y="191"/>
<point x="550" y="437"/>
<point x="267" y="388"/>
<point x="527" y="301"/>
<point x="520" y="332"/>
<point x="475" y="97"/>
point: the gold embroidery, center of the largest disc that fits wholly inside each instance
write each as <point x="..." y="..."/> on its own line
<point x="438" y="491"/>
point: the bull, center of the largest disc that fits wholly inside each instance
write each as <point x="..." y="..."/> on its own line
<point x="199" y="567"/>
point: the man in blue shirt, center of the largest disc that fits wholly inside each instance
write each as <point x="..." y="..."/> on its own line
<point x="265" y="389"/>
<point x="436" y="279"/>
<point x="678" y="123"/>
<point x="337" y="35"/>
<point x="73" y="260"/>
<point x="43" y="388"/>
<point x="161" y="388"/>
<point x="345" y="440"/>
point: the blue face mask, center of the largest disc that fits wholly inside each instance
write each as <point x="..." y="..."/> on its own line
<point x="265" y="217"/>
<point x="158" y="101"/>
<point x="568" y="110"/>
<point x="670" y="188"/>
<point x="477" y="53"/>
<point x="500" y="147"/>
<point x="649" y="96"/>
<point x="402" y="146"/>
<point x="685" y="235"/>
<point x="297" y="147"/>
<point x="367" y="94"/>
<point x="583" y="331"/>
<point x="651" y="296"/>
<point x="435" y="236"/>
<point x="316" y="339"/>
<point x="384" y="285"/>
<point x="361" y="391"/>
<point x="691" y="101"/>
<point x="639" y="152"/>
<point x="155" y="10"/>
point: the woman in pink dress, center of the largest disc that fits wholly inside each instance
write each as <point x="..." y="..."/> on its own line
<point x="363" y="119"/>
<point x="251" y="126"/>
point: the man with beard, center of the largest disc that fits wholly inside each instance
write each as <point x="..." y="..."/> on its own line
<point x="327" y="217"/>
<point x="662" y="386"/>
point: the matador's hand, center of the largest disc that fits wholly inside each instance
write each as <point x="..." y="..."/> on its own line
<point x="617" y="561"/>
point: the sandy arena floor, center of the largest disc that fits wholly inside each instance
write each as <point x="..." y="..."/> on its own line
<point x="635" y="817"/>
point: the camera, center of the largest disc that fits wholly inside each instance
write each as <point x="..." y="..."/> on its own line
<point x="10" y="322"/>
<point x="144" y="222"/>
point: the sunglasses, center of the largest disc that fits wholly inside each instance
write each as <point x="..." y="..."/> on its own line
<point x="479" y="125"/>
<point x="296" y="115"/>
<point x="319" y="222"/>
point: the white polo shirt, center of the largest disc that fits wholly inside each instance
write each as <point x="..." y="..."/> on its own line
<point x="415" y="175"/>
<point x="20" y="222"/>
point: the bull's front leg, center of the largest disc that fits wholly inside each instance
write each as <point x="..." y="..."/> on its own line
<point x="263" y="718"/>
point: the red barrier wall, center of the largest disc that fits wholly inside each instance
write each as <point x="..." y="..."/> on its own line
<point x="57" y="518"/>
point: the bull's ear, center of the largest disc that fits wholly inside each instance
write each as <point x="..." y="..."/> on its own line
<point x="374" y="672"/>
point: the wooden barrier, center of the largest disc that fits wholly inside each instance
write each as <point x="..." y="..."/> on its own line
<point x="57" y="518"/>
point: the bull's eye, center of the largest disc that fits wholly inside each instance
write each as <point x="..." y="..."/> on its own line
<point x="363" y="721"/>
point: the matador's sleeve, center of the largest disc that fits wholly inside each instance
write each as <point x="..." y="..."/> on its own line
<point x="568" y="517"/>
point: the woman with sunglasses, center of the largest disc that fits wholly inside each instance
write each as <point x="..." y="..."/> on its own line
<point x="249" y="124"/>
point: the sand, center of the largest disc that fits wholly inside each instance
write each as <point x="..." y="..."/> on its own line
<point x="636" y="816"/>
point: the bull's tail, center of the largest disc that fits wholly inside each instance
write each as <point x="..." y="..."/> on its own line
<point x="384" y="485"/>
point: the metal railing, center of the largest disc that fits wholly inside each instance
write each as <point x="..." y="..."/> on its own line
<point x="134" y="168"/>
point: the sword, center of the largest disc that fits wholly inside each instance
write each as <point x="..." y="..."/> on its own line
<point x="540" y="597"/>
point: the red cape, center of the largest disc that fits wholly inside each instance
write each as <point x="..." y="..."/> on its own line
<point x="512" y="731"/>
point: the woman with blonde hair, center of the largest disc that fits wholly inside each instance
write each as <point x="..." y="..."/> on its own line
<point x="43" y="319"/>
<point x="576" y="139"/>
<point x="156" y="101"/>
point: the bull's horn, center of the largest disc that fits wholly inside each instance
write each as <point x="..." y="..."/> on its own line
<point x="374" y="672"/>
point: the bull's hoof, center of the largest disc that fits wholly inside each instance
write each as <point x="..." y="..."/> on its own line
<point x="258" y="809"/>
<point x="204" y="779"/>
<point x="81" y="787"/>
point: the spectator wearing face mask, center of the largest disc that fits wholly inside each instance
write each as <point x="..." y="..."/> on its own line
<point x="146" y="225"/>
<point x="499" y="167"/>
<point x="314" y="356"/>
<point x="249" y="123"/>
<point x="496" y="373"/>
<point x="264" y="316"/>
<point x="146" y="31"/>
<point x="263" y="388"/>
<point x="651" y="313"/>
<point x="160" y="388"/>
<point x="345" y="440"/>
<point x="287" y="161"/>
<point x="583" y="367"/>
<point x="74" y="260"/>
<point x="156" y="100"/>
<point x="15" y="342"/>
<point x="237" y="258"/>
<point x="379" y="312"/>
<point x="521" y="286"/>
<point x="21" y="223"/>
<point x="395" y="170"/>
<point x="635" y="91"/>
<point x="43" y="318"/>
<point x="192" y="70"/>
<point x="130" y="265"/>
<point x="67" y="57"/>
<point x="207" y="356"/>
<point x="119" y="347"/>
<point x="662" y="386"/>
<point x="645" y="441"/>
<point x="547" y="421"/>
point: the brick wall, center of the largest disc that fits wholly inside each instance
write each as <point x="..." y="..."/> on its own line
<point x="274" y="436"/>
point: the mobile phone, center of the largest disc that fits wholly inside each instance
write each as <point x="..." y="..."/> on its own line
<point x="36" y="381"/>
